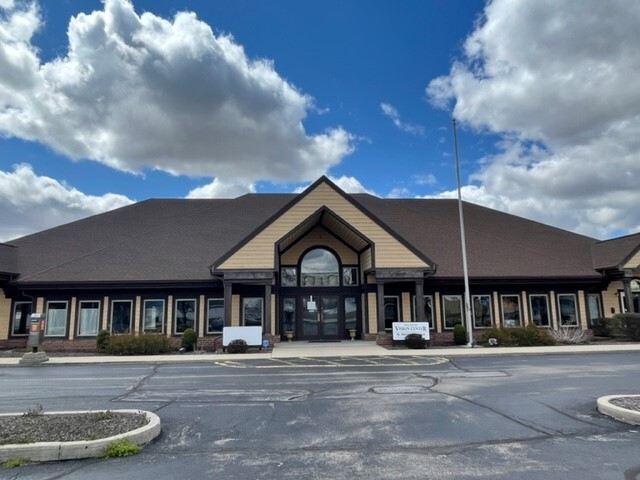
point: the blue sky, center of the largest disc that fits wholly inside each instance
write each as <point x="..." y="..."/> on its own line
<point x="102" y="104"/>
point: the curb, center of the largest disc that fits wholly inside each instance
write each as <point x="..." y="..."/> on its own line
<point x="625" y="415"/>
<point x="53" y="451"/>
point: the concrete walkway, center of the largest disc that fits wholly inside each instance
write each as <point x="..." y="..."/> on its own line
<point x="337" y="349"/>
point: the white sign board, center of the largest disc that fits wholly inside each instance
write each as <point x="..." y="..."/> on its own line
<point x="402" y="329"/>
<point x="251" y="335"/>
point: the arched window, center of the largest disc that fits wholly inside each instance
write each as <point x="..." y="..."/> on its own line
<point x="319" y="268"/>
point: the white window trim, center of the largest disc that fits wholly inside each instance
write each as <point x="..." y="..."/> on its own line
<point x="79" y="322"/>
<point x="531" y="295"/>
<point x="175" y="313"/>
<point x="164" y="314"/>
<point x="519" y="309"/>
<point x="600" y="309"/>
<point x="213" y="332"/>
<point x="130" y="302"/>
<point x="66" y="318"/>
<point x="444" y="310"/>
<point x="473" y="310"/>
<point x="575" y="305"/>
<point x="13" y="319"/>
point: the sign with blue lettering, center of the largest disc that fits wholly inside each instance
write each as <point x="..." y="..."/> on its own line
<point x="402" y="329"/>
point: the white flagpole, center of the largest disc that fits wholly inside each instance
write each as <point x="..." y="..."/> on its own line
<point x="463" y="242"/>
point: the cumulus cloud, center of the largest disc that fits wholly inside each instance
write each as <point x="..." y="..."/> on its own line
<point x="221" y="189"/>
<point x="391" y="112"/>
<point x="556" y="80"/>
<point x="137" y="91"/>
<point x="30" y="203"/>
<point x="348" y="184"/>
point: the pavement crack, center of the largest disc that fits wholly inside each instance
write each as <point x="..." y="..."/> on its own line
<point x="139" y="384"/>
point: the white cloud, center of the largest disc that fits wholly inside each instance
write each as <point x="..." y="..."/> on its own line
<point x="348" y="184"/>
<point x="391" y="112"/>
<point x="139" y="91"/>
<point x="29" y="203"/>
<point x="555" y="78"/>
<point x="425" y="179"/>
<point x="220" y="189"/>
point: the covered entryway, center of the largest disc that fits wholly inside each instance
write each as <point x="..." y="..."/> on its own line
<point x="320" y="318"/>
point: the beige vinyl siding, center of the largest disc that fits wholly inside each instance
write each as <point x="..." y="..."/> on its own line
<point x="136" y="315"/>
<point x="105" y="314"/>
<point x="202" y="313"/>
<point x="5" y="315"/>
<point x="319" y="236"/>
<point x="525" y="308"/>
<point x="373" y="313"/>
<point x="437" y="311"/>
<point x="366" y="260"/>
<point x="72" y="317"/>
<point x="634" y="262"/>
<point x="169" y="315"/>
<point x="406" y="307"/>
<point x="552" y="306"/>
<point x="582" y="310"/>
<point x="259" y="251"/>
<point x="235" y="310"/>
<point x="610" y="300"/>
<point x="39" y="305"/>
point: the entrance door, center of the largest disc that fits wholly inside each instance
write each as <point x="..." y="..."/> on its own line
<point x="320" y="317"/>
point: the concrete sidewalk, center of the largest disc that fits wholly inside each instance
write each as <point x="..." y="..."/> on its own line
<point x="338" y="349"/>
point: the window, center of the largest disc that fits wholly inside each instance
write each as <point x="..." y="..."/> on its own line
<point x="482" y="311"/>
<point x="288" y="277"/>
<point x="428" y="310"/>
<point x="121" y="316"/>
<point x="451" y="310"/>
<point x="539" y="310"/>
<point x="56" y="324"/>
<point x="185" y="315"/>
<point x="21" y="313"/>
<point x="289" y="314"/>
<point x="153" y="316"/>
<point x="350" y="313"/>
<point x="511" y="310"/>
<point x="215" y="315"/>
<point x="594" y="307"/>
<point x="349" y="276"/>
<point x="391" y="312"/>
<point x="252" y="311"/>
<point x="567" y="310"/>
<point x="319" y="267"/>
<point x="88" y="318"/>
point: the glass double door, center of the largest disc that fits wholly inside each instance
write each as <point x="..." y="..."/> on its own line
<point x="320" y="317"/>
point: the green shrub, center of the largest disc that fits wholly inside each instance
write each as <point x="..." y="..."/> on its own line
<point x="627" y="325"/>
<point x="189" y="339"/>
<point x="121" y="448"/>
<point x="238" y="346"/>
<point x="600" y="327"/>
<point x="459" y="334"/>
<point x="415" y="340"/>
<point x="530" y="335"/>
<point x="149" y="344"/>
<point x="102" y="341"/>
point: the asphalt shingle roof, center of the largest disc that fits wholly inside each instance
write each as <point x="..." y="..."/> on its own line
<point x="176" y="240"/>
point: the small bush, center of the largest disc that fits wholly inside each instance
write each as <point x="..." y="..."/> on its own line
<point x="149" y="344"/>
<point x="530" y="335"/>
<point x="238" y="346"/>
<point x="189" y="339"/>
<point x="600" y="327"/>
<point x="570" y="335"/>
<point x="459" y="334"/>
<point x="15" y="462"/>
<point x="121" y="448"/>
<point x="415" y="341"/>
<point x="36" y="411"/>
<point x="627" y="325"/>
<point x="102" y="341"/>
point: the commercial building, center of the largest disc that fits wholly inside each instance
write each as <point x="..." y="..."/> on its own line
<point x="319" y="265"/>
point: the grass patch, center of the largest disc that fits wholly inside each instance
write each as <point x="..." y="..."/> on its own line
<point x="121" y="448"/>
<point x="15" y="462"/>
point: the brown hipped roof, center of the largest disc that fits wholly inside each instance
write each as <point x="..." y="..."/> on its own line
<point x="8" y="260"/>
<point x="615" y="252"/>
<point x="176" y="240"/>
